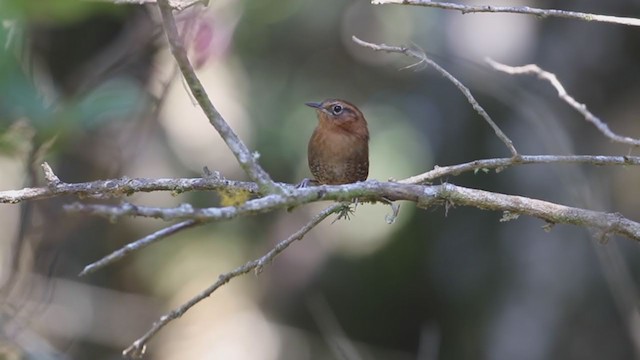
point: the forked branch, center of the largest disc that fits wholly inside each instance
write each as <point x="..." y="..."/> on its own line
<point x="246" y="159"/>
<point x="533" y="69"/>
<point x="422" y="58"/>
<point x="137" y="349"/>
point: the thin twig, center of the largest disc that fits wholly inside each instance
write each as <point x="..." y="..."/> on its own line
<point x="542" y="13"/>
<point x="562" y="93"/>
<point x="339" y="343"/>
<point x="500" y="164"/>
<point x="137" y="245"/>
<point x="175" y="4"/>
<point x="124" y="186"/>
<point x="51" y="178"/>
<point x="422" y="57"/>
<point x="246" y="159"/>
<point x="137" y="349"/>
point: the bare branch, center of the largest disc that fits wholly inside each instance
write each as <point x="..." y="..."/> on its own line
<point x="420" y="55"/>
<point x="437" y="172"/>
<point x="121" y="187"/>
<point x="177" y="5"/>
<point x="372" y="191"/>
<point x="246" y="159"/>
<point x="605" y="223"/>
<point x="542" y="13"/>
<point x="137" y="245"/>
<point x="49" y="176"/>
<point x="503" y="163"/>
<point x="137" y="349"/>
<point x="562" y="93"/>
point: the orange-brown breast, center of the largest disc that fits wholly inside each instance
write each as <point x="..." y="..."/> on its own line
<point x="337" y="156"/>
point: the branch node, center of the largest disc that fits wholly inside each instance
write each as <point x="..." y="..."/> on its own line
<point x="345" y="212"/>
<point x="603" y="237"/>
<point x="52" y="180"/>
<point x="395" y="210"/>
<point x="260" y="266"/>
<point x="135" y="351"/>
<point x="548" y="226"/>
<point x="508" y="216"/>
<point x="448" y="204"/>
<point x="213" y="175"/>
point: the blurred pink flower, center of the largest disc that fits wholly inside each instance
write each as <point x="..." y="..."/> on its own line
<point x="208" y="35"/>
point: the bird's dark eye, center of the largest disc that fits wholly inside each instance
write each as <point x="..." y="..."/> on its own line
<point x="336" y="109"/>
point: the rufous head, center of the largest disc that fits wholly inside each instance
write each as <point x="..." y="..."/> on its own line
<point x="341" y="115"/>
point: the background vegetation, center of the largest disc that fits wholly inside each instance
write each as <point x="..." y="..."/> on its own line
<point x="81" y="86"/>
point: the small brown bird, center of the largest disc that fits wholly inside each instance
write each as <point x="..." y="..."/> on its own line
<point x="338" y="150"/>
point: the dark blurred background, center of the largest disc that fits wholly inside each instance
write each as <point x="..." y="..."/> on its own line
<point x="90" y="87"/>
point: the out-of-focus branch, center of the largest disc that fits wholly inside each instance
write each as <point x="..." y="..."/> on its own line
<point x="542" y="13"/>
<point x="372" y="191"/>
<point x="246" y="159"/>
<point x="562" y="93"/>
<point x="137" y="245"/>
<point x="178" y="5"/>
<point x="422" y="57"/>
<point x="137" y="349"/>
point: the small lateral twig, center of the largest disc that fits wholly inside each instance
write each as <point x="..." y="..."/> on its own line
<point x="542" y="13"/>
<point x="422" y="57"/>
<point x="562" y="93"/>
<point x="137" y="245"/>
<point x="137" y="349"/>
<point x="499" y="164"/>
<point x="246" y="159"/>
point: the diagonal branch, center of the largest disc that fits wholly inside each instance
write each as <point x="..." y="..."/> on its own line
<point x="246" y="159"/>
<point x="137" y="245"/>
<point x="562" y="93"/>
<point x="137" y="349"/>
<point x="420" y="55"/>
<point x="178" y="5"/>
<point x="542" y="13"/>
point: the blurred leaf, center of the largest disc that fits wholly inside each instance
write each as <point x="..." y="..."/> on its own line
<point x="113" y="100"/>
<point x="18" y="96"/>
<point x="272" y="11"/>
<point x="51" y="10"/>
<point x="16" y="139"/>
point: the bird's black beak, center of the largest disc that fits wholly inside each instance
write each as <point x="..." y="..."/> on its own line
<point x="314" y="105"/>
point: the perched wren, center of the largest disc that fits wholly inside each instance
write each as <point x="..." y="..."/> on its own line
<point x="338" y="150"/>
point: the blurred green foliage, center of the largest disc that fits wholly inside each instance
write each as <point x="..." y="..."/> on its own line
<point x="485" y="288"/>
<point x="114" y="100"/>
<point x="51" y="11"/>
